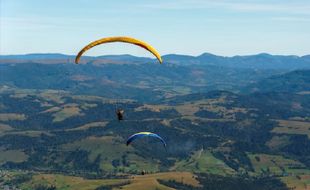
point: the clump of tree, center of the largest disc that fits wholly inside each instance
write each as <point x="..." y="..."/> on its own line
<point x="217" y="182"/>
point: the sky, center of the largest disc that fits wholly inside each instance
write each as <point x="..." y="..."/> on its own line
<point x="190" y="27"/>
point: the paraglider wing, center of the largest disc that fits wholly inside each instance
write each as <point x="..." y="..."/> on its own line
<point x="144" y="134"/>
<point x="124" y="39"/>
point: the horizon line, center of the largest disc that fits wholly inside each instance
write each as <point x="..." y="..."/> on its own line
<point x="261" y="53"/>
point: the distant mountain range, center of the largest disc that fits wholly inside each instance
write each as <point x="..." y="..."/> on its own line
<point x="259" y="61"/>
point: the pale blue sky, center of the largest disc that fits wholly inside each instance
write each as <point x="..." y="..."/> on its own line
<point x="191" y="27"/>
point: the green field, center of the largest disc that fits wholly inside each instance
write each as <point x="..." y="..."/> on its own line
<point x="12" y="116"/>
<point x="66" y="112"/>
<point x="202" y="161"/>
<point x="4" y="128"/>
<point x="293" y="127"/>
<point x="301" y="182"/>
<point x="16" y="156"/>
<point x="276" y="164"/>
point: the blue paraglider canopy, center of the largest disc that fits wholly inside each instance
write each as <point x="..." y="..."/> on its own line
<point x="144" y="134"/>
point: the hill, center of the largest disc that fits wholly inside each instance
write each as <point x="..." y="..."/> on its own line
<point x="142" y="82"/>
<point x="219" y="132"/>
<point x="294" y="82"/>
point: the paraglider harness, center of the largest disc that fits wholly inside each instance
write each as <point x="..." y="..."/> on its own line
<point x="120" y="114"/>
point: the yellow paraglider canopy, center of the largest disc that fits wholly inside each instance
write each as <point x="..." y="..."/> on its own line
<point x="124" y="39"/>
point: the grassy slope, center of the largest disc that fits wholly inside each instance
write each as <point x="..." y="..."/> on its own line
<point x="112" y="148"/>
<point x="203" y="161"/>
<point x="137" y="182"/>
